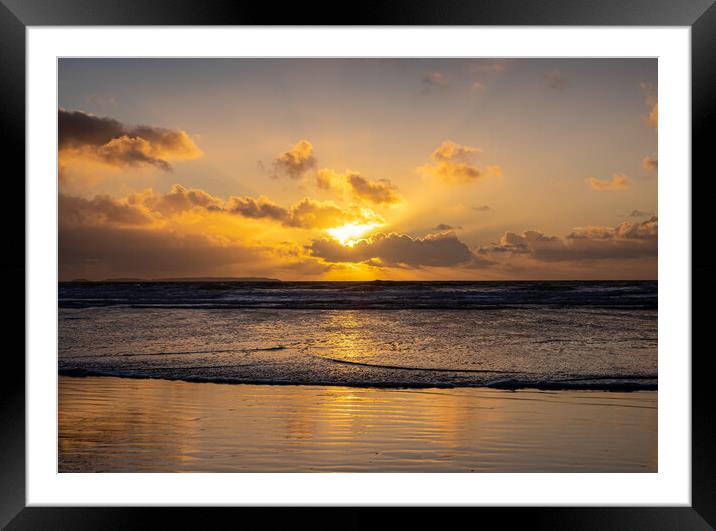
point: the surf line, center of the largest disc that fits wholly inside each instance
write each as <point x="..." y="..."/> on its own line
<point x="398" y="367"/>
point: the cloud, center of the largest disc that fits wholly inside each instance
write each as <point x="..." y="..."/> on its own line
<point x="178" y="199"/>
<point x="639" y="214"/>
<point x="482" y="208"/>
<point x="625" y="241"/>
<point x="326" y="179"/>
<point x="651" y="163"/>
<point x="491" y="65"/>
<point x="654" y="115"/>
<point x="618" y="181"/>
<point x="453" y="164"/>
<point x="652" y="101"/>
<point x="312" y="214"/>
<point x="442" y="227"/>
<point x="379" y="191"/>
<point x="100" y="210"/>
<point x="296" y="161"/>
<point x="260" y="208"/>
<point x="435" y="81"/>
<point x="306" y="214"/>
<point x="77" y="128"/>
<point x="476" y="86"/>
<point x="555" y="80"/>
<point x="647" y="230"/>
<point x="138" y="209"/>
<point x="86" y="136"/>
<point x="145" y="235"/>
<point x="434" y="250"/>
<point x="152" y="207"/>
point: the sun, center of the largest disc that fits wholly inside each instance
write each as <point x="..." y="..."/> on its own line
<point x="348" y="233"/>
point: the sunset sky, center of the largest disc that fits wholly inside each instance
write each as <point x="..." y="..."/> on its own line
<point x="353" y="169"/>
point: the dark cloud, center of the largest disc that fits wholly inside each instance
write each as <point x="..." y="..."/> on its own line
<point x="646" y="230"/>
<point x="296" y="161"/>
<point x="444" y="226"/>
<point x="76" y="128"/>
<point x="482" y="208"/>
<point x="627" y="240"/>
<point x="639" y="214"/>
<point x="105" y="139"/>
<point x="437" y="250"/>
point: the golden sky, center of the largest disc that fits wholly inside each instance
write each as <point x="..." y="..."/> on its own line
<point x="353" y="169"/>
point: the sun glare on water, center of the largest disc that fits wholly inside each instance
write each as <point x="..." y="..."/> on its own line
<point x="349" y="233"/>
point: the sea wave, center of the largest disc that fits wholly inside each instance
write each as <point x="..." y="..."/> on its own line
<point x="458" y="295"/>
<point x="507" y="384"/>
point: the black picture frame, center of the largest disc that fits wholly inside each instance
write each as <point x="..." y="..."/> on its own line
<point x="699" y="15"/>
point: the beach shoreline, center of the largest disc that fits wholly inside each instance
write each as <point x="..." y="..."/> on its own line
<point x="109" y="424"/>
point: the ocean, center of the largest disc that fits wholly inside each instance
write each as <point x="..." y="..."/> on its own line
<point x="511" y="335"/>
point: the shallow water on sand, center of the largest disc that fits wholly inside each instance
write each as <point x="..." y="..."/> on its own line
<point x="536" y="347"/>
<point x="129" y="425"/>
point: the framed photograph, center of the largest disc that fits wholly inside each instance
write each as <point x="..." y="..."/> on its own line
<point x="412" y="261"/>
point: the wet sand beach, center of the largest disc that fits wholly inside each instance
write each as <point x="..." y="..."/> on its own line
<point x="109" y="424"/>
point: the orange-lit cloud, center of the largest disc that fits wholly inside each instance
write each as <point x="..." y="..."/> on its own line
<point x="148" y="234"/>
<point x="654" y="115"/>
<point x="651" y="162"/>
<point x="453" y="163"/>
<point x="295" y="162"/>
<point x="312" y="214"/>
<point x="378" y="191"/>
<point x="178" y="199"/>
<point x="618" y="181"/>
<point x="86" y="136"/>
<point x="148" y="206"/>
<point x="381" y="191"/>
<point x="306" y="214"/>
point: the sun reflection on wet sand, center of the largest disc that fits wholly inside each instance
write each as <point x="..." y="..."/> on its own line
<point x="125" y="425"/>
